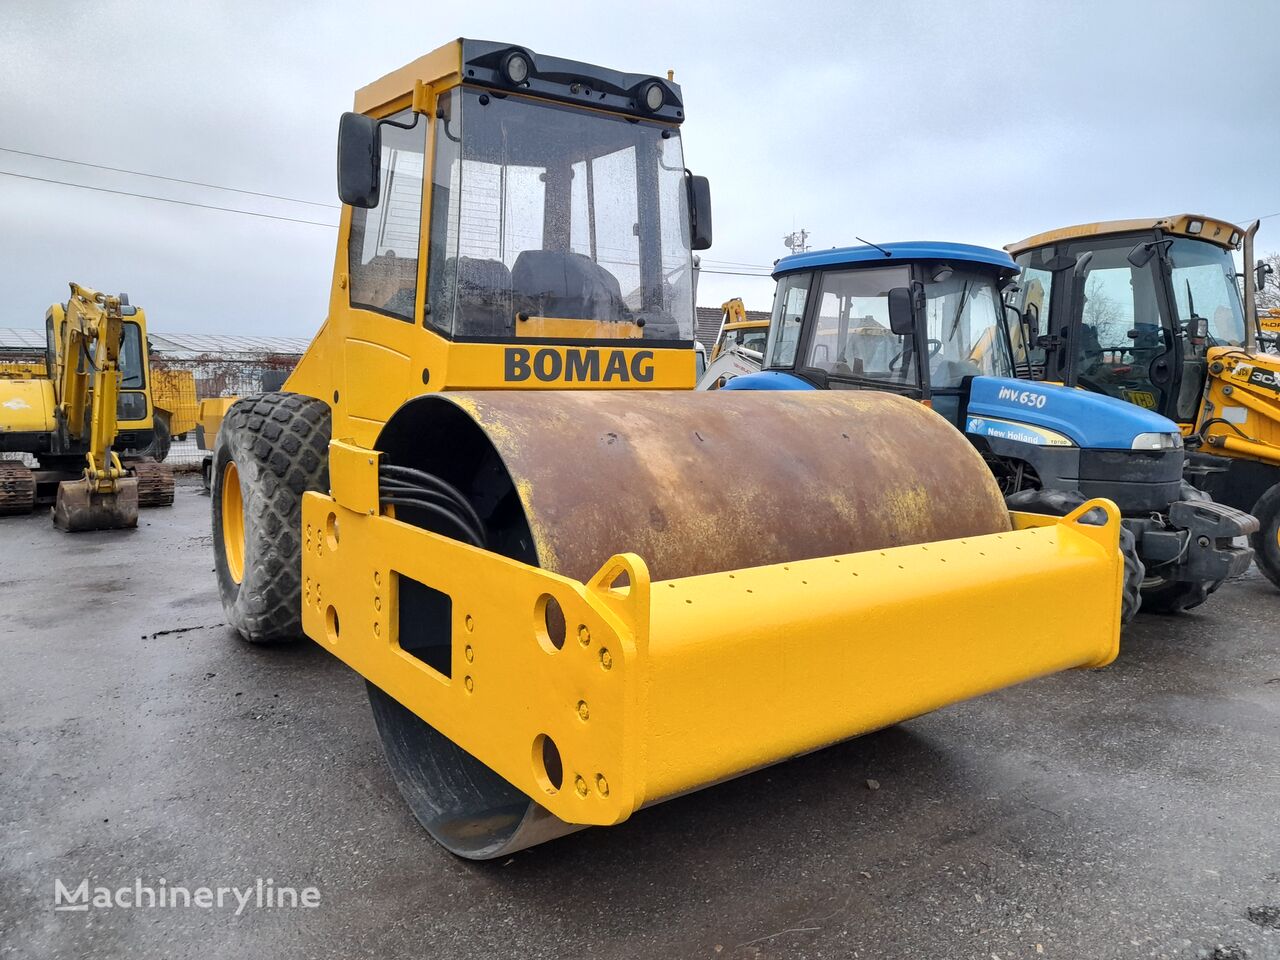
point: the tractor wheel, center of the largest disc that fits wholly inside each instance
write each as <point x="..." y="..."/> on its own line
<point x="1059" y="503"/>
<point x="272" y="449"/>
<point x="1266" y="542"/>
<point x="1160" y="595"/>
<point x="158" y="448"/>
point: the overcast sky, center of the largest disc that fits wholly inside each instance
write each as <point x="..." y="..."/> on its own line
<point x="967" y="121"/>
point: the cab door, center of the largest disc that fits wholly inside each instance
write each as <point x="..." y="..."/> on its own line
<point x="1121" y="344"/>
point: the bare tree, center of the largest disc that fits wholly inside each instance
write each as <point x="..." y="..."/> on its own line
<point x="1102" y="312"/>
<point x="1269" y="296"/>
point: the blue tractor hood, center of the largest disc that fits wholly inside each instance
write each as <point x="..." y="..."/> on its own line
<point x="1089" y="420"/>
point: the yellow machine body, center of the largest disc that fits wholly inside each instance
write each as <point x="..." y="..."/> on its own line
<point x="27" y="405"/>
<point x="172" y="392"/>
<point x="70" y="409"/>
<point x="671" y="587"/>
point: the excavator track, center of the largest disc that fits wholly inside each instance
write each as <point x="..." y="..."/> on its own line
<point x="155" y="483"/>
<point x="17" y="488"/>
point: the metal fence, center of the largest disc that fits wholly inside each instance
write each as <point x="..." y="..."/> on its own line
<point x="180" y="383"/>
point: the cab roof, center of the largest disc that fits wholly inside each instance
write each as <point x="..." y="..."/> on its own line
<point x="1222" y="232"/>
<point x="902" y="252"/>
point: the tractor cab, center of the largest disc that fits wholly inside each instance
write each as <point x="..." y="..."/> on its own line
<point x="919" y="319"/>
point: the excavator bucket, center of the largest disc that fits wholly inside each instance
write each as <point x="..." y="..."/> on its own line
<point x="626" y="598"/>
<point x="80" y="507"/>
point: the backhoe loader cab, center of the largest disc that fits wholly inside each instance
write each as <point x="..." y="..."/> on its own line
<point x="926" y="320"/>
<point x="475" y="490"/>
<point x="1151" y="312"/>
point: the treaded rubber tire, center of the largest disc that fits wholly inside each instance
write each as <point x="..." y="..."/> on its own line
<point x="1180" y="596"/>
<point x="1059" y="503"/>
<point x="279" y="444"/>
<point x="161" y="439"/>
<point x="1266" y="542"/>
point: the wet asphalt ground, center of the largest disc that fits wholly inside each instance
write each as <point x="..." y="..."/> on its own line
<point x="1130" y="812"/>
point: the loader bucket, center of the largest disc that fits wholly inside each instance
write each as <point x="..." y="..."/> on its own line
<point x="80" y="507"/>
<point x="670" y="590"/>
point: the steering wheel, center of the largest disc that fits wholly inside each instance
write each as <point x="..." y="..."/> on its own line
<point x="935" y="348"/>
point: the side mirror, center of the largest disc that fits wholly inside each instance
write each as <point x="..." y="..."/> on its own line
<point x="1031" y="317"/>
<point x="699" y="211"/>
<point x="1261" y="272"/>
<point x="1141" y="255"/>
<point x="1060" y="262"/>
<point x="902" y="316"/>
<point x="359" y="160"/>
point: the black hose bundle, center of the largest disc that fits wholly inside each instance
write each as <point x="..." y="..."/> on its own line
<point x="408" y="487"/>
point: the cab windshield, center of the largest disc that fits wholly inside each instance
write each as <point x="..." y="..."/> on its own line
<point x="552" y="221"/>
<point x="1204" y="288"/>
<point x="852" y="338"/>
<point x="131" y="373"/>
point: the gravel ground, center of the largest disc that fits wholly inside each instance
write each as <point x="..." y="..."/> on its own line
<point x="1129" y="812"/>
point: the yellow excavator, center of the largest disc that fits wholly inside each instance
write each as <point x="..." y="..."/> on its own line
<point x="72" y="422"/>
<point x="575" y="585"/>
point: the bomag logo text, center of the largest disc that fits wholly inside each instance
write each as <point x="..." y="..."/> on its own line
<point x="577" y="366"/>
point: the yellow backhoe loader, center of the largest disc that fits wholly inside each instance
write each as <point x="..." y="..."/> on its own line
<point x="74" y="422"/>
<point x="576" y="586"/>
<point x="1150" y="311"/>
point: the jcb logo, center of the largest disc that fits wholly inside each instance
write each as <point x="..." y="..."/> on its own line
<point x="580" y="366"/>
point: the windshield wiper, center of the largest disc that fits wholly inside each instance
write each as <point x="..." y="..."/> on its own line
<point x="964" y="296"/>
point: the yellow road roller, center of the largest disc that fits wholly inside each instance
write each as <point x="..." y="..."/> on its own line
<point x="575" y="586"/>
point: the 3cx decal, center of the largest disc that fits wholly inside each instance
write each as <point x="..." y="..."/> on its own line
<point x="577" y="366"/>
<point x="1267" y="379"/>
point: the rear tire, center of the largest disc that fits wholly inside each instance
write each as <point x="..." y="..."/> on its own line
<point x="1059" y="503"/>
<point x="272" y="448"/>
<point x="1172" y="597"/>
<point x="161" y="440"/>
<point x="1266" y="542"/>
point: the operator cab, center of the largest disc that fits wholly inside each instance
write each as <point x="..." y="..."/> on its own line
<point x="919" y="319"/>
<point x="558" y="205"/>
<point x="1129" y="309"/>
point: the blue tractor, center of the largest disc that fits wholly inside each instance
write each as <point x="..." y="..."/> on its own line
<point x="927" y="320"/>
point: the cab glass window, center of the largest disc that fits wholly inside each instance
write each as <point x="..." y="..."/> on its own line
<point x="555" y="221"/>
<point x="1204" y="288"/>
<point x="789" y="301"/>
<point x="132" y="376"/>
<point x="1031" y="299"/>
<point x="1121" y="339"/>
<point x="851" y="335"/>
<point x="382" y="248"/>
<point x="965" y="333"/>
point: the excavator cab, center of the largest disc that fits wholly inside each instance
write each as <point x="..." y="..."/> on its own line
<point x="1153" y="312"/>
